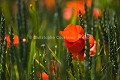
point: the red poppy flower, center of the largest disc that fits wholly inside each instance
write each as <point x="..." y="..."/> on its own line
<point x="16" y="40"/>
<point x="89" y="3"/>
<point x="44" y="76"/>
<point x="96" y="13"/>
<point x="74" y="39"/>
<point x="50" y="4"/>
<point x="67" y="13"/>
<point x="7" y="37"/>
<point x="75" y="6"/>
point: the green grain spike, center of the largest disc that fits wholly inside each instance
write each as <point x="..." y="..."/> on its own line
<point x="2" y="49"/>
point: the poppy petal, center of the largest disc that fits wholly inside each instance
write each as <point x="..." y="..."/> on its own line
<point x="79" y="29"/>
<point x="44" y="76"/>
<point x="16" y="40"/>
<point x="71" y="37"/>
<point x="93" y="49"/>
<point x="91" y="40"/>
<point x="7" y="37"/>
<point x="78" y="56"/>
<point x="89" y="2"/>
<point x="67" y="13"/>
<point x="96" y="13"/>
<point x="75" y="47"/>
<point x="72" y="33"/>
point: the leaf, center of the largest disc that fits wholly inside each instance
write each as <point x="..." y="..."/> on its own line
<point x="40" y="64"/>
<point x="31" y="56"/>
<point x="1" y="67"/>
<point x="53" y="54"/>
<point x="71" y="77"/>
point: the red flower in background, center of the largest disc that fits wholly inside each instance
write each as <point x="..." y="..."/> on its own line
<point x="96" y="13"/>
<point x="16" y="40"/>
<point x="44" y="76"/>
<point x="89" y="3"/>
<point x="74" y="39"/>
<point x="50" y="4"/>
<point x="75" y="6"/>
<point x="67" y="13"/>
<point x="7" y="37"/>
